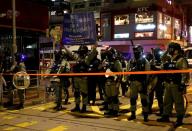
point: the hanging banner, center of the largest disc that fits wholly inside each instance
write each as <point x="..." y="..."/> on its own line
<point x="79" y="28"/>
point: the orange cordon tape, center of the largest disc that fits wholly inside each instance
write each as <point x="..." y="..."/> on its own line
<point x="114" y="73"/>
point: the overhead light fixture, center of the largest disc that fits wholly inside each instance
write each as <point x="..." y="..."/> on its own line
<point x="53" y="0"/>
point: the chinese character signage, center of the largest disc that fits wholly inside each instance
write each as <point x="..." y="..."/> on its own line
<point x="79" y="28"/>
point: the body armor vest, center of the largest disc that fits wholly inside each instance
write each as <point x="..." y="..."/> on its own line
<point x="110" y="67"/>
<point x="80" y="67"/>
<point x="171" y="65"/>
<point x="138" y="65"/>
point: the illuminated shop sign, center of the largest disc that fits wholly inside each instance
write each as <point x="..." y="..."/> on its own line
<point x="122" y="35"/>
<point x="144" y="17"/>
<point x="145" y="27"/>
<point x="121" y="19"/>
<point x="162" y="27"/>
<point x="190" y="34"/>
<point x="144" y="34"/>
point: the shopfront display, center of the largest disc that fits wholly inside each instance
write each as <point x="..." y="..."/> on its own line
<point x="143" y="34"/>
<point x="177" y="29"/>
<point x="121" y="20"/>
<point x="144" y="17"/>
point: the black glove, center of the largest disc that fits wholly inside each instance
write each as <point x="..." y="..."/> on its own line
<point x="182" y="87"/>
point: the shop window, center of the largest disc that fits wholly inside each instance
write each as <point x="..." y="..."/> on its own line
<point x="121" y="19"/>
<point x="121" y="35"/>
<point x="143" y="34"/>
<point x="167" y="20"/>
<point x="143" y="27"/>
<point x="144" y="17"/>
<point x="177" y="29"/>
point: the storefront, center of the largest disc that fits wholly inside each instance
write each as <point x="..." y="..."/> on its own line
<point x="31" y="23"/>
<point x="150" y="26"/>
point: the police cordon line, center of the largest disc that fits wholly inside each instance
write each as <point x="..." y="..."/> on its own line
<point x="166" y="74"/>
<point x="107" y="73"/>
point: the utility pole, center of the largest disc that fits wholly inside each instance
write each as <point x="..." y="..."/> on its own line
<point x="14" y="45"/>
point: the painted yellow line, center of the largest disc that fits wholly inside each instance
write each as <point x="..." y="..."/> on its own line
<point x="92" y="115"/>
<point x="49" y="105"/>
<point x="139" y="110"/>
<point x="190" y="112"/>
<point x="3" y="113"/>
<point x="59" y="128"/>
<point x="96" y="109"/>
<point x="13" y="111"/>
<point x="124" y="107"/>
<point x="45" y="106"/>
<point x="21" y="125"/>
<point x="9" y="117"/>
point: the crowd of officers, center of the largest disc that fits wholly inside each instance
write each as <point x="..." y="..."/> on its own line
<point x="169" y="88"/>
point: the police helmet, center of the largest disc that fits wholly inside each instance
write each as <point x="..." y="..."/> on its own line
<point x="157" y="52"/>
<point x="111" y="53"/>
<point x="138" y="48"/>
<point x="173" y="46"/>
<point x="83" y="49"/>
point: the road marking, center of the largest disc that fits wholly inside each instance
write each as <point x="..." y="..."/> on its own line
<point x="138" y="111"/>
<point x="21" y="125"/>
<point x="46" y="106"/>
<point x="96" y="110"/>
<point x="9" y="117"/>
<point x="59" y="128"/>
<point x="3" y="113"/>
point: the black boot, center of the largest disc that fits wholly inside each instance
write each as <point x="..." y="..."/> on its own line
<point x="179" y="122"/>
<point x="108" y="113"/>
<point x="58" y="107"/>
<point x="163" y="119"/>
<point x="84" y="109"/>
<point x="76" y="109"/>
<point x="105" y="107"/>
<point x="20" y="106"/>
<point x="145" y="115"/>
<point x="133" y="116"/>
<point x="150" y="111"/>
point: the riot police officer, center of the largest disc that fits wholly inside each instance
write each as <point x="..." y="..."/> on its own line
<point x="60" y="66"/>
<point x="6" y="65"/>
<point x="112" y="83"/>
<point x="156" y="81"/>
<point x="93" y="80"/>
<point x="80" y="83"/>
<point x="18" y="66"/>
<point x="174" y="85"/>
<point x="138" y="83"/>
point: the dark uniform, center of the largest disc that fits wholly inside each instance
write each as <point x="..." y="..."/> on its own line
<point x="138" y="83"/>
<point x="93" y="80"/>
<point x="174" y="85"/>
<point x="80" y="83"/>
<point x="60" y="83"/>
<point x="112" y="83"/>
<point x="156" y="81"/>
<point x="18" y="66"/>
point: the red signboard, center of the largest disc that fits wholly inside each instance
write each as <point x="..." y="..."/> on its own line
<point x="29" y="15"/>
